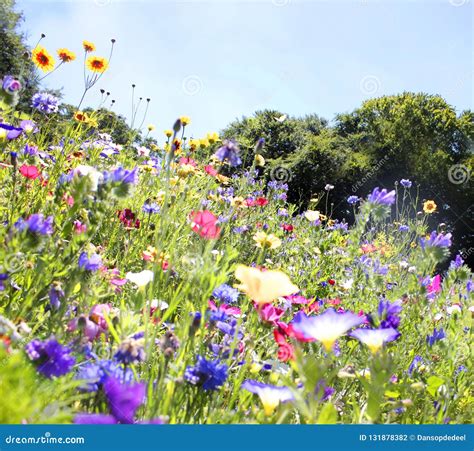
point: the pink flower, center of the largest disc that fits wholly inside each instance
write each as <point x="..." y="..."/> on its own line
<point x="204" y="223"/>
<point x="30" y="172"/>
<point x="269" y="313"/>
<point x="186" y="160"/>
<point x="435" y="285"/>
<point x="79" y="227"/>
<point x="227" y="309"/>
<point x="211" y="170"/>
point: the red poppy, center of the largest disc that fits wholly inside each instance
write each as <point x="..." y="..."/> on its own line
<point x="30" y="172"/>
<point x="204" y="223"/>
<point x="287" y="227"/>
<point x="285" y="352"/>
<point x="331" y="281"/>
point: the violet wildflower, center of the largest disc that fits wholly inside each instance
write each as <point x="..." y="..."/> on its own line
<point x="229" y="151"/>
<point x="456" y="263"/>
<point x="92" y="263"/>
<point x="440" y="240"/>
<point x="406" y="183"/>
<point x="36" y="224"/>
<point x="437" y="335"/>
<point x="51" y="358"/>
<point x="9" y="132"/>
<point x="226" y="294"/>
<point x="10" y="84"/>
<point x="44" y="102"/>
<point x="270" y="395"/>
<point x="351" y="200"/>
<point x="3" y="277"/>
<point x="382" y="197"/>
<point x="131" y="350"/>
<point x="389" y="314"/>
<point x="209" y="374"/>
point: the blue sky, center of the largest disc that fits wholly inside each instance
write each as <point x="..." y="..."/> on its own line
<point x="219" y="60"/>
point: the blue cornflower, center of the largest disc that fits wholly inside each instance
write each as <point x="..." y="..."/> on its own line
<point x="92" y="263"/>
<point x="55" y="294"/>
<point x="230" y="152"/>
<point x="382" y="197"/>
<point x="404" y="228"/>
<point x="352" y="200"/>
<point x="150" y="208"/>
<point x="460" y="369"/>
<point x="405" y="183"/>
<point x="437" y="335"/>
<point x="44" y="102"/>
<point x="36" y="223"/>
<point x="52" y="358"/>
<point x="130" y="351"/>
<point x="209" y="374"/>
<point x="226" y="294"/>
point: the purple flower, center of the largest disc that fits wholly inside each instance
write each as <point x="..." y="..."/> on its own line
<point x="44" y="102"/>
<point x="389" y="314"/>
<point x="150" y="208"/>
<point x="226" y="294"/>
<point x="437" y="335"/>
<point x="456" y="263"/>
<point x="270" y="395"/>
<point x="436" y="240"/>
<point x="30" y="150"/>
<point x="352" y="200"/>
<point x="3" y="277"/>
<point x="404" y="228"/>
<point x="9" y="132"/>
<point x="51" y="358"/>
<point x="10" y="84"/>
<point x="230" y="152"/>
<point x="382" y="197"/>
<point x="416" y="362"/>
<point x="94" y="374"/>
<point x="29" y="126"/>
<point x="374" y="339"/>
<point x="55" y="295"/>
<point x="123" y="401"/>
<point x="121" y="175"/>
<point x="405" y="183"/>
<point x="326" y="327"/>
<point x="130" y="351"/>
<point x="92" y="263"/>
<point x="37" y="224"/>
<point x="209" y="374"/>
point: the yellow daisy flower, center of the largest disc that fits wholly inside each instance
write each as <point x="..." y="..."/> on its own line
<point x="88" y="46"/>
<point x="65" y="55"/>
<point x="97" y="64"/>
<point x="42" y="59"/>
<point x="265" y="241"/>
<point x="429" y="207"/>
<point x="185" y="120"/>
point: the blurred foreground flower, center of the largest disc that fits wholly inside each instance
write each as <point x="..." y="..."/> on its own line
<point x="264" y="286"/>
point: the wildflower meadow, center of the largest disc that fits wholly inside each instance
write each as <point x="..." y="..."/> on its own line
<point x="167" y="280"/>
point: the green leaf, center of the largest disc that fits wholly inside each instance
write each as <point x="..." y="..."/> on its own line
<point x="328" y="414"/>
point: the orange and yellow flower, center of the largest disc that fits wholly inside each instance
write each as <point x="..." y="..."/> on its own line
<point x="88" y="46"/>
<point x="79" y="116"/>
<point x="97" y="64"/>
<point x="42" y="59"/>
<point x="66" y="56"/>
<point x="429" y="207"/>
